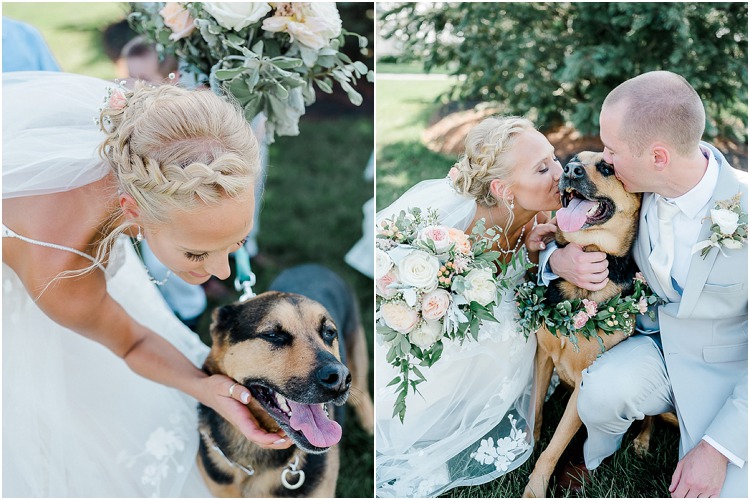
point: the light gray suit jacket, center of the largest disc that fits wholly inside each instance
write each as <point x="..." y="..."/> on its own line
<point x="704" y="336"/>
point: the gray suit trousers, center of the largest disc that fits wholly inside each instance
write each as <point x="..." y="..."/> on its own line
<point x="627" y="383"/>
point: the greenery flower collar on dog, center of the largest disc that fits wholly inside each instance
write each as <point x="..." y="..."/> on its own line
<point x="570" y="318"/>
<point x="728" y="227"/>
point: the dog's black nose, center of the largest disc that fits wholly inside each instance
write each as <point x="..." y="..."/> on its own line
<point x="573" y="170"/>
<point x="335" y="377"/>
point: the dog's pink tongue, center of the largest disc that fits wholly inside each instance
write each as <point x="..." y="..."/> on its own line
<point x="573" y="217"/>
<point x="314" y="424"/>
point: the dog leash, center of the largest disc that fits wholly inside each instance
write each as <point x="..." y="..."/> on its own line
<point x="290" y="469"/>
<point x="245" y="280"/>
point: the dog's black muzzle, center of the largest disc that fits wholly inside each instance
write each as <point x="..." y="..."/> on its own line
<point x="574" y="170"/>
<point x="331" y="377"/>
<point x="575" y="182"/>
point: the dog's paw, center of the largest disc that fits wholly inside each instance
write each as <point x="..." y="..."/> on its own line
<point x="641" y="445"/>
<point x="537" y="487"/>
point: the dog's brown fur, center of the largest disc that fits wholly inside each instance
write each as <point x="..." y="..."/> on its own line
<point x="615" y="238"/>
<point x="276" y="340"/>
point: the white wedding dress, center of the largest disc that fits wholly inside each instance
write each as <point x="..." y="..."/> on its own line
<point x="77" y="422"/>
<point x="473" y="420"/>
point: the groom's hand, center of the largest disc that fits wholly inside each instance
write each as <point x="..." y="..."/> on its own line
<point x="700" y="473"/>
<point x="589" y="270"/>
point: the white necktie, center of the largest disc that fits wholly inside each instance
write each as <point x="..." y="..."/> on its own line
<point x="662" y="255"/>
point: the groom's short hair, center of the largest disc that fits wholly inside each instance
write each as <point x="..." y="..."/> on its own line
<point x="660" y="105"/>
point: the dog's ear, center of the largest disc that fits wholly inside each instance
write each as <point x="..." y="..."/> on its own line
<point x="224" y="319"/>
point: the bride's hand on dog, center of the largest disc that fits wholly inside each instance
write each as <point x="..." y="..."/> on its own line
<point x="234" y="410"/>
<point x="589" y="270"/>
<point x="539" y="236"/>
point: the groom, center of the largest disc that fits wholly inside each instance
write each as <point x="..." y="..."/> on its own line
<point x="694" y="360"/>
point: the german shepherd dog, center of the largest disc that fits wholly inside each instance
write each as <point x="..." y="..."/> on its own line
<point x="286" y="346"/>
<point x="599" y="215"/>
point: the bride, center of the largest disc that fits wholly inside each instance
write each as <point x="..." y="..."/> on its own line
<point x="471" y="420"/>
<point x="79" y="419"/>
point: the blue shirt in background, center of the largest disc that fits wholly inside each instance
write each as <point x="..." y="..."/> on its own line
<point x="24" y="49"/>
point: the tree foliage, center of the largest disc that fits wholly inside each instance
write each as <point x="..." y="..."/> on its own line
<point x="556" y="62"/>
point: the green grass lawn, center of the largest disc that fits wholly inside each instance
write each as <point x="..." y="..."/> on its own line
<point x="404" y="108"/>
<point x="415" y="67"/>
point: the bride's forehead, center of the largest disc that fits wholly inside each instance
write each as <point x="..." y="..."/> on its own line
<point x="229" y="219"/>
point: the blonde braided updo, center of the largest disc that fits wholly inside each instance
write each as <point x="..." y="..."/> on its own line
<point x="485" y="159"/>
<point x="173" y="149"/>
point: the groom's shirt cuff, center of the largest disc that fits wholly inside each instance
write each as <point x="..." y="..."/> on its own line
<point x="731" y="456"/>
<point x="546" y="276"/>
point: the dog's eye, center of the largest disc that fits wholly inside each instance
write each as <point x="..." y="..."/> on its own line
<point x="605" y="168"/>
<point x="329" y="334"/>
<point x="276" y="337"/>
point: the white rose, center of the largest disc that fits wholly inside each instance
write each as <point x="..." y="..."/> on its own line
<point x="426" y="334"/>
<point x="435" y="303"/>
<point x="312" y="24"/>
<point x="439" y="236"/>
<point x="399" y="316"/>
<point x="482" y="287"/>
<point x="726" y="219"/>
<point x="383" y="263"/>
<point x="235" y="16"/>
<point x="419" y="269"/>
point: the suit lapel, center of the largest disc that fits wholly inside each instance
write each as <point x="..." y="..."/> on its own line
<point x="726" y="187"/>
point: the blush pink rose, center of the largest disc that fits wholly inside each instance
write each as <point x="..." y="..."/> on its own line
<point x="117" y="99"/>
<point x="463" y="245"/>
<point x="439" y="237"/>
<point x="381" y="285"/>
<point x="399" y="316"/>
<point x="177" y="18"/>
<point x="580" y="320"/>
<point x="590" y="306"/>
<point x="435" y="304"/>
<point x="453" y="174"/>
<point x="643" y="305"/>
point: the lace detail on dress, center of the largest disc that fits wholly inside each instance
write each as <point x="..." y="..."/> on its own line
<point x="161" y="453"/>
<point x="505" y="452"/>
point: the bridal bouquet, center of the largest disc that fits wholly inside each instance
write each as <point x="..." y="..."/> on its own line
<point x="434" y="284"/>
<point x="269" y="56"/>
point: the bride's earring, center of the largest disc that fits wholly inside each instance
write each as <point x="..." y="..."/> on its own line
<point x="139" y="236"/>
<point x="512" y="206"/>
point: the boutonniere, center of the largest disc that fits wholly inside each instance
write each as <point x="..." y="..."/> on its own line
<point x="728" y="227"/>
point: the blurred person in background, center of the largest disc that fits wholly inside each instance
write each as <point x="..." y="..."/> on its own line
<point x="142" y="63"/>
<point x="24" y="49"/>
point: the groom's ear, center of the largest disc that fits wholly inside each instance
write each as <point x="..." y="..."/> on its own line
<point x="660" y="156"/>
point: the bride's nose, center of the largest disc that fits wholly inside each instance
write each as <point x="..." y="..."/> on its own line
<point x="219" y="266"/>
<point x="557" y="172"/>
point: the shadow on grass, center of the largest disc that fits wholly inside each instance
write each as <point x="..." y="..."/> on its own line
<point x="626" y="476"/>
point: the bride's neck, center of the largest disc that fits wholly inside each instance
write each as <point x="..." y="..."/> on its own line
<point x="499" y="216"/>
